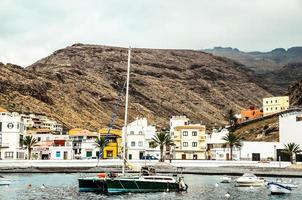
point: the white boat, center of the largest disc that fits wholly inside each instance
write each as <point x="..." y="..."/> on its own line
<point x="249" y="180"/>
<point x="286" y="184"/>
<point x="277" y="188"/>
<point x="225" y="179"/>
<point x="4" y="181"/>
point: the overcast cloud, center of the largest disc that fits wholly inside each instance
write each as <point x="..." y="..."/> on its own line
<point x="33" y="29"/>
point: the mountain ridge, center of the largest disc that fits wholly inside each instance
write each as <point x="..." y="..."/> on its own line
<point x="78" y="85"/>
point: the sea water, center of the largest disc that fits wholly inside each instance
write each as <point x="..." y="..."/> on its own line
<point x="65" y="186"/>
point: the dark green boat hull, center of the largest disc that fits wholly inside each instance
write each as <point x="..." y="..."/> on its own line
<point x="92" y="185"/>
<point x="118" y="186"/>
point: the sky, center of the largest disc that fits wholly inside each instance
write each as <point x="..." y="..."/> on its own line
<point x="32" y="29"/>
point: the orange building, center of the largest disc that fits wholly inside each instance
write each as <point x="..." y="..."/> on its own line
<point x="251" y="113"/>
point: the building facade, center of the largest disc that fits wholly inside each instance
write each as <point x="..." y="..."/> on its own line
<point x="54" y="147"/>
<point x="11" y="136"/>
<point x="249" y="114"/>
<point x="273" y="105"/>
<point x="113" y="148"/>
<point x="139" y="136"/>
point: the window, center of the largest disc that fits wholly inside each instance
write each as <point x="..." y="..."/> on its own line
<point x="140" y="132"/>
<point x="276" y="108"/>
<point x="271" y="108"/>
<point x="130" y="156"/>
<point x="9" y="154"/>
<point x="185" y="133"/>
<point x="266" y="108"/>
<point x="39" y="139"/>
<point x="266" y="102"/>
<point x="10" y="125"/>
<point x="131" y="132"/>
<point x="0" y="126"/>
<point x="275" y="101"/>
<point x="133" y="144"/>
<point x="140" y="143"/>
<point x="194" y="133"/>
<point x="185" y="144"/>
<point x="271" y="101"/>
<point x="58" y="154"/>
<point x="172" y="133"/>
<point x="88" y="153"/>
<point x="194" y="144"/>
<point x="109" y="154"/>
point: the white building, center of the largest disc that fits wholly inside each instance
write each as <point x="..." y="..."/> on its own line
<point x="290" y="128"/>
<point x="55" y="147"/>
<point x="139" y="135"/>
<point x="217" y="150"/>
<point x="11" y="135"/>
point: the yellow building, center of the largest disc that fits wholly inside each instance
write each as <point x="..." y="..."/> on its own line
<point x="189" y="142"/>
<point x="113" y="148"/>
<point x="275" y="104"/>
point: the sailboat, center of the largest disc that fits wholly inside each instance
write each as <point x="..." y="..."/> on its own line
<point x="129" y="183"/>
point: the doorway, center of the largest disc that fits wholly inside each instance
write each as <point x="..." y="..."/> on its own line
<point x="141" y="154"/>
<point x="183" y="157"/>
<point x="65" y="156"/>
<point x="255" y="156"/>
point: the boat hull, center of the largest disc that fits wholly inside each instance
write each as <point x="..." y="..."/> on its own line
<point x="92" y="185"/>
<point x="279" y="189"/>
<point x="4" y="182"/>
<point x="118" y="186"/>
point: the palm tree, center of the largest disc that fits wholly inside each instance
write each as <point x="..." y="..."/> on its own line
<point x="232" y="140"/>
<point x="231" y="117"/>
<point x="29" y="142"/>
<point x="101" y="143"/>
<point x="292" y="149"/>
<point x="162" y="139"/>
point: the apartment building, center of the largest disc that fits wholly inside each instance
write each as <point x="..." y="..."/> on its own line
<point x="139" y="136"/>
<point x="189" y="139"/>
<point x="273" y="105"/>
<point x="11" y="135"/>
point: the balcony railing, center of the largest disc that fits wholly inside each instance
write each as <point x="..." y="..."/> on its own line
<point x="4" y="145"/>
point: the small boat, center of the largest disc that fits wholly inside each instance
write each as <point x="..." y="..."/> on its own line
<point x="4" y="181"/>
<point x="225" y="179"/>
<point x="249" y="180"/>
<point x="277" y="188"/>
<point x="141" y="184"/>
<point x="287" y="184"/>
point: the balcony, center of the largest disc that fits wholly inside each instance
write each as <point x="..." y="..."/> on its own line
<point x="4" y="145"/>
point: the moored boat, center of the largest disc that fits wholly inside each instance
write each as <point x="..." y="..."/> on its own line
<point x="249" y="180"/>
<point x="277" y="188"/>
<point x="225" y="179"/>
<point x="4" y="181"/>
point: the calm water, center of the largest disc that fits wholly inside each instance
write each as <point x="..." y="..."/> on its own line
<point x="64" y="186"/>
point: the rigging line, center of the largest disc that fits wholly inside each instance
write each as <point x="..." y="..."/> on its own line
<point x="113" y="116"/>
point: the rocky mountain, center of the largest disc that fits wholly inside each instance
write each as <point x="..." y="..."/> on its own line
<point x="78" y="85"/>
<point x="275" y="71"/>
<point x="260" y="62"/>
<point x="295" y="92"/>
<point x="280" y="80"/>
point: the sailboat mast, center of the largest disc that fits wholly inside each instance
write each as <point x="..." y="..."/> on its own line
<point x="126" y="113"/>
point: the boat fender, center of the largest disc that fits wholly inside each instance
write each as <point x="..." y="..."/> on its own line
<point x="183" y="186"/>
<point x="101" y="175"/>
